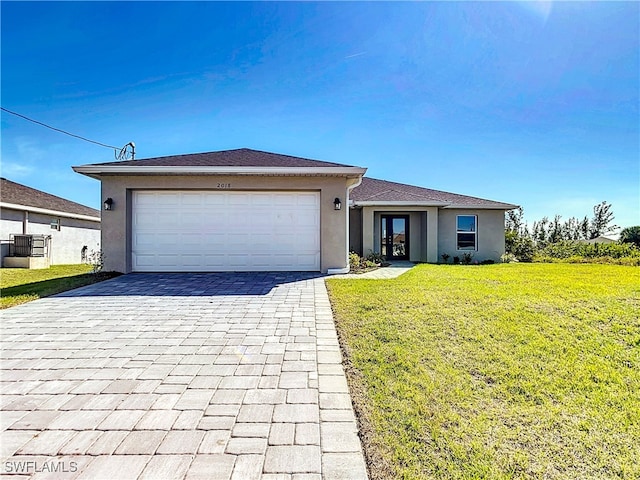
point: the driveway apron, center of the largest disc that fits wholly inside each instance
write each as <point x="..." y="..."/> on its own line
<point x="181" y="376"/>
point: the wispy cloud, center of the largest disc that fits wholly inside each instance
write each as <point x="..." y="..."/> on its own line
<point x="539" y="8"/>
<point x="20" y="157"/>
<point x="355" y="55"/>
<point x="13" y="170"/>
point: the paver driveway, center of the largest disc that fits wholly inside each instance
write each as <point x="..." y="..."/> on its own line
<point x="178" y="376"/>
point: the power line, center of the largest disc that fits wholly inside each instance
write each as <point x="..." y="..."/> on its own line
<point x="56" y="129"/>
<point x="123" y="151"/>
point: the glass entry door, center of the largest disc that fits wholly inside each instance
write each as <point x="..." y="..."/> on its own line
<point x="394" y="244"/>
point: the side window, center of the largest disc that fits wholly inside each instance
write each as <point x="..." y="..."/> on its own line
<point x="467" y="232"/>
<point x="55" y="224"/>
<point x="83" y="254"/>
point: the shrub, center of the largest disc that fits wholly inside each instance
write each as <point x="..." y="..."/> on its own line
<point x="354" y="261"/>
<point x="358" y="263"/>
<point x="566" y="249"/>
<point x="522" y="247"/>
<point x="466" y="258"/>
<point x="631" y="235"/>
<point x="508" y="258"/>
<point x="375" y="258"/>
<point x="96" y="260"/>
<point x="456" y="260"/>
<point x="445" y="257"/>
<point x="576" y="252"/>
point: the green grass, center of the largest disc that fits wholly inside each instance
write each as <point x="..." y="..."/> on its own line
<point x="21" y="285"/>
<point x="496" y="372"/>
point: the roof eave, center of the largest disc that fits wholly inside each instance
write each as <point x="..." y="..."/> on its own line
<point x="382" y="203"/>
<point x="96" y="171"/>
<point x="477" y="206"/>
<point x="46" y="211"/>
<point x="410" y="203"/>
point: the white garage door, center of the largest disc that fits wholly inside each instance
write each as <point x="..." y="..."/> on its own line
<point x="212" y="231"/>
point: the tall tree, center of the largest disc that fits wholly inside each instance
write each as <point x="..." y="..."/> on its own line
<point x="555" y="230"/>
<point x="601" y="222"/>
<point x="584" y="228"/>
<point x="514" y="221"/>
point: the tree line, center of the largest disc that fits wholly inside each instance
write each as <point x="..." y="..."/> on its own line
<point x="523" y="242"/>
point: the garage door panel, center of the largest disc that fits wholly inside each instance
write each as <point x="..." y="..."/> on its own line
<point x="191" y="260"/>
<point x="190" y="199"/>
<point x="168" y="259"/>
<point x="214" y="199"/>
<point x="214" y="261"/>
<point x="219" y="231"/>
<point x="309" y="200"/>
<point x="190" y="220"/>
<point x="191" y="239"/>
<point x="167" y="199"/>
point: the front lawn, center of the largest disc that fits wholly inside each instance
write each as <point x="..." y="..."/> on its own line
<point x="497" y="372"/>
<point x="21" y="285"/>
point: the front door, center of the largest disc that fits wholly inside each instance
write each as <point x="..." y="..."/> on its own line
<point x="395" y="237"/>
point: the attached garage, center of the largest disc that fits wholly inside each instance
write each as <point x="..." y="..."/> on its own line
<point x="189" y="231"/>
<point x="232" y="210"/>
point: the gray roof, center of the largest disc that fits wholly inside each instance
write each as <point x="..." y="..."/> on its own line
<point x="18" y="194"/>
<point x="374" y="190"/>
<point x="242" y="157"/>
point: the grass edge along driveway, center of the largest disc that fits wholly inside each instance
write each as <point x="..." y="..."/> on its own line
<point x="21" y="285"/>
<point x="505" y="371"/>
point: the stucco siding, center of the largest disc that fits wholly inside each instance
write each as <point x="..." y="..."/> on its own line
<point x="66" y="243"/>
<point x="490" y="233"/>
<point x="116" y="224"/>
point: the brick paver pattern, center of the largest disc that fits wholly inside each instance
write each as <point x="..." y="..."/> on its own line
<point x="178" y="376"/>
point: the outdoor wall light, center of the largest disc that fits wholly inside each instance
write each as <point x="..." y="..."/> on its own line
<point x="337" y="204"/>
<point x="108" y="204"/>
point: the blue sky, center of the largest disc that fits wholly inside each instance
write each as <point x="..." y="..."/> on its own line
<point x="535" y="103"/>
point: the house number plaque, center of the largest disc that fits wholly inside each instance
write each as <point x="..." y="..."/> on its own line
<point x="223" y="185"/>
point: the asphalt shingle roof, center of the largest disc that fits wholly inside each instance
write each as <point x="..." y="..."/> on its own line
<point x="242" y="157"/>
<point x="18" y="194"/>
<point x="374" y="190"/>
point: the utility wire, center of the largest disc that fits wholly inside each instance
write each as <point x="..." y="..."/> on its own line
<point x="58" y="130"/>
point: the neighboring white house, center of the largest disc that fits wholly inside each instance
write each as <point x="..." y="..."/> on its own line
<point x="74" y="229"/>
<point x="602" y="239"/>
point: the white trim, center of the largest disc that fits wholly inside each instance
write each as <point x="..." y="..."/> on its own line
<point x="382" y="203"/>
<point x="45" y="211"/>
<point x="504" y="206"/>
<point x="338" y="271"/>
<point x="207" y="170"/>
<point x="349" y="188"/>
<point x="475" y="233"/>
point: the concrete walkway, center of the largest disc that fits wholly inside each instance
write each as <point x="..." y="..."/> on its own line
<point x="183" y="376"/>
<point x="394" y="270"/>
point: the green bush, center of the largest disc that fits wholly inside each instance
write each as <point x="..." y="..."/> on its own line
<point x="576" y="252"/>
<point x="354" y="260"/>
<point x="375" y="258"/>
<point x="521" y="247"/>
<point x="566" y="249"/>
<point x="631" y="235"/>
<point x="359" y="264"/>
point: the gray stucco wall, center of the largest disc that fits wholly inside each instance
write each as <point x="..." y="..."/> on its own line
<point x="490" y="233"/>
<point x="66" y="243"/>
<point x="116" y="224"/>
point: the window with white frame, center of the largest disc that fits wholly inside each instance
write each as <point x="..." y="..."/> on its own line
<point x="55" y="224"/>
<point x="467" y="232"/>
